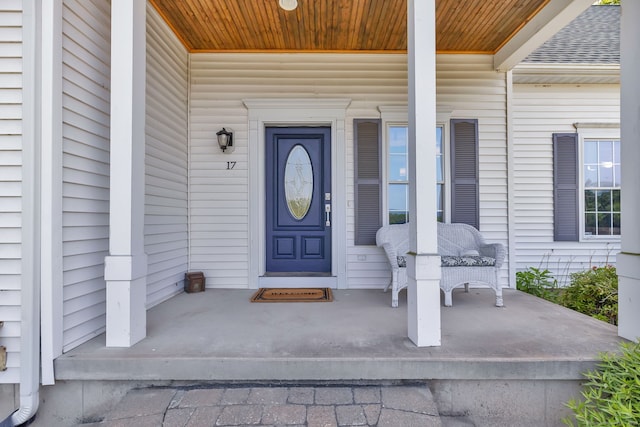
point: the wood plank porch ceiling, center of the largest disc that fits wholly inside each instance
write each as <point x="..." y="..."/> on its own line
<point x="462" y="26"/>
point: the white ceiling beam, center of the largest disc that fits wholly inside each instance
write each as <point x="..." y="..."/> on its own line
<point x="553" y="17"/>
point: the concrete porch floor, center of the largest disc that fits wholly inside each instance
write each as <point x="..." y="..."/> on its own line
<point x="219" y="335"/>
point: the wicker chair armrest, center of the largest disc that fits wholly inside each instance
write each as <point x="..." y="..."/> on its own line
<point x="494" y="250"/>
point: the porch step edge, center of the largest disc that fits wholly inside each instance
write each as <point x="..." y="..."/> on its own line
<point x="315" y="369"/>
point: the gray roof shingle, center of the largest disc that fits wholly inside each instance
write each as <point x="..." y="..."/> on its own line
<point x="592" y="38"/>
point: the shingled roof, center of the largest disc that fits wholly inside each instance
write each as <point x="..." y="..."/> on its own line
<point x="592" y="38"/>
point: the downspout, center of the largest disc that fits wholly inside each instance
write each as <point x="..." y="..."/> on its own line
<point x="30" y="294"/>
<point x="29" y="352"/>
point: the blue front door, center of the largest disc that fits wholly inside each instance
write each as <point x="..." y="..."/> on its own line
<point x="298" y="205"/>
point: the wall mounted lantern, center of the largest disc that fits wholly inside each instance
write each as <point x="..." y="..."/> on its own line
<point x="225" y="140"/>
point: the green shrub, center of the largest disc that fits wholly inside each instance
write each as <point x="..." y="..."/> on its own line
<point x="612" y="392"/>
<point x="593" y="292"/>
<point x="537" y="282"/>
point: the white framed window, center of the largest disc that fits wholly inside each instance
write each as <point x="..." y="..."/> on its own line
<point x="397" y="154"/>
<point x="381" y="171"/>
<point x="587" y="183"/>
<point x="440" y="173"/>
<point x="600" y="183"/>
<point x="397" y="172"/>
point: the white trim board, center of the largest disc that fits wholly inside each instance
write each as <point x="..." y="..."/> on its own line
<point x="51" y="252"/>
<point x="296" y="112"/>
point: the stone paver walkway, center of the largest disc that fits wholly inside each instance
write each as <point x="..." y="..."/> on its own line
<point x="395" y="406"/>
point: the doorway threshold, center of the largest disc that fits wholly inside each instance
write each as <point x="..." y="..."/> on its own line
<point x="296" y="274"/>
<point x="297" y="280"/>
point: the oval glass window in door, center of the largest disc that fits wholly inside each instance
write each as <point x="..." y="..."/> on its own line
<point x="298" y="182"/>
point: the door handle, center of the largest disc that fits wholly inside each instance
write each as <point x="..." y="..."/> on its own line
<point x="327" y="214"/>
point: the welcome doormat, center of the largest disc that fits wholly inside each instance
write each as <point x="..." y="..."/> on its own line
<point x="293" y="295"/>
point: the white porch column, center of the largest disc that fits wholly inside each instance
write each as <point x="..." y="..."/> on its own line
<point x="423" y="267"/>
<point x="628" y="262"/>
<point x="126" y="265"/>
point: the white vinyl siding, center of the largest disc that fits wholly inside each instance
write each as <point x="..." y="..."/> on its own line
<point x="86" y="165"/>
<point x="166" y="233"/>
<point x="218" y="197"/>
<point x="468" y="86"/>
<point x="538" y="112"/>
<point x="85" y="188"/>
<point x="10" y="184"/>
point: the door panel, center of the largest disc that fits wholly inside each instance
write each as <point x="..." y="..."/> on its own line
<point x="298" y="192"/>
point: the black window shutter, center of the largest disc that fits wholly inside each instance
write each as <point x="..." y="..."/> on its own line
<point x="465" y="199"/>
<point x="565" y="187"/>
<point x="367" y="181"/>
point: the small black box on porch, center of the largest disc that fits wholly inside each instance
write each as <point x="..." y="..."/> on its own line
<point x="194" y="282"/>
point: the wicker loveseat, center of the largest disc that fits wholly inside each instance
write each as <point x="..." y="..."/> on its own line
<point x="466" y="258"/>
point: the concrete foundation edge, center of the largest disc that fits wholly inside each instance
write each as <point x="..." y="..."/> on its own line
<point x="483" y="402"/>
<point x="498" y="403"/>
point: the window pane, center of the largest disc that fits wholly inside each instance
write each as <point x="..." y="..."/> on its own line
<point x="398" y="203"/>
<point x="606" y="175"/>
<point x="439" y="174"/>
<point x="591" y="152"/>
<point x="604" y="201"/>
<point x="398" y="218"/>
<point x="604" y="224"/>
<point x="605" y="149"/>
<point x="616" y="224"/>
<point x="398" y="173"/>
<point x="398" y="139"/>
<point x="590" y="224"/>
<point x="601" y="171"/>
<point x="590" y="176"/>
<point x="616" y="200"/>
<point x="398" y="168"/>
<point x="440" y="201"/>
<point x="439" y="155"/>
<point x="298" y="182"/>
<point x="589" y="200"/>
<point x="398" y="197"/>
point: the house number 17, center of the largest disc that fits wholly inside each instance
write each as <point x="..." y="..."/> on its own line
<point x="231" y="165"/>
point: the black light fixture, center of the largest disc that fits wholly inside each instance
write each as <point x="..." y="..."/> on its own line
<point x="225" y="140"/>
